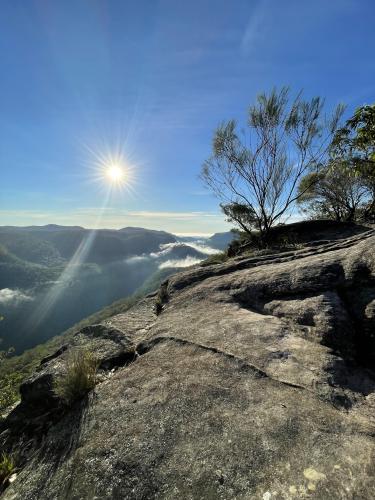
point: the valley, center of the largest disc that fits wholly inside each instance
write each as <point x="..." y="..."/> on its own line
<point x="53" y="276"/>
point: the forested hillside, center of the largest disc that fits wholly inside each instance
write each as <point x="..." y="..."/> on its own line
<point x="53" y="276"/>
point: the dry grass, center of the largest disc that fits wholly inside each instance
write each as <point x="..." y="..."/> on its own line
<point x="80" y="376"/>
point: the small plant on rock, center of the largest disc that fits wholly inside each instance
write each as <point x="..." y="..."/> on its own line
<point x="158" y="306"/>
<point x="161" y="298"/>
<point x="7" y="468"/>
<point x="80" y="376"/>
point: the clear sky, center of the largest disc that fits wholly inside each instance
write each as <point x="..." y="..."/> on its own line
<point x="83" y="80"/>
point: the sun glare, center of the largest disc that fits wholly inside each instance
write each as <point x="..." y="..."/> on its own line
<point x="112" y="171"/>
<point x="115" y="174"/>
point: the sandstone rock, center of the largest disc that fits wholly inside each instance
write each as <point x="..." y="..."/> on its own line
<point x="250" y="383"/>
<point x="111" y="348"/>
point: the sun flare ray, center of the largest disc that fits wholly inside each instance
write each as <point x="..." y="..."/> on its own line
<point x="111" y="170"/>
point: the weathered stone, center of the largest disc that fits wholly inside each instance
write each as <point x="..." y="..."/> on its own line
<point x="248" y="384"/>
<point x="111" y="348"/>
<point x="324" y="316"/>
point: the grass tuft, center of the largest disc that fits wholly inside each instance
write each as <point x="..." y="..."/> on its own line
<point x="7" y="468"/>
<point x="161" y="298"/>
<point x="80" y="376"/>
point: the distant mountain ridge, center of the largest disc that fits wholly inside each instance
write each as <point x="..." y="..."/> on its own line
<point x="46" y="227"/>
<point x="53" y="276"/>
<point x="47" y="244"/>
<point x="222" y="240"/>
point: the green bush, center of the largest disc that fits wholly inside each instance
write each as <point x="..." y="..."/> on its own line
<point x="7" y="468"/>
<point x="80" y="376"/>
<point x="9" y="393"/>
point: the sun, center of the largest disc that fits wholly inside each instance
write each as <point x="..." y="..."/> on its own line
<point x="115" y="174"/>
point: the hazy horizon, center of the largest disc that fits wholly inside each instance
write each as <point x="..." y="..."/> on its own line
<point x="202" y="235"/>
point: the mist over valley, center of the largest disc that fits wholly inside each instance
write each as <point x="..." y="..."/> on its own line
<point x="53" y="276"/>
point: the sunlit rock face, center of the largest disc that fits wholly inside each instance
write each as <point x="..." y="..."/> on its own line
<point x="253" y="381"/>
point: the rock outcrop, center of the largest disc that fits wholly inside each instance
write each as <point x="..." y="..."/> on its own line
<point x="254" y="381"/>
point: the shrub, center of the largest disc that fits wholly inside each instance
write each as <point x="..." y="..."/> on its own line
<point x="9" y="393"/>
<point x="161" y="298"/>
<point x="158" y="306"/>
<point x="7" y="468"/>
<point x="80" y="376"/>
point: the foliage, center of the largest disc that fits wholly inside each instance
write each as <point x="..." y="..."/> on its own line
<point x="357" y="138"/>
<point x="15" y="272"/>
<point x="241" y="214"/>
<point x="8" y="393"/>
<point x="344" y="188"/>
<point x="80" y="376"/>
<point x="9" y="384"/>
<point x="355" y="144"/>
<point x="29" y="247"/>
<point x="8" y="352"/>
<point x="7" y="468"/>
<point x="256" y="176"/>
<point x="335" y="192"/>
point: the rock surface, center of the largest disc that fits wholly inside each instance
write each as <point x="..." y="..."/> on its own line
<point x="254" y="381"/>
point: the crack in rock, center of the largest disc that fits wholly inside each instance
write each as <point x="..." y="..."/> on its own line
<point x="146" y="346"/>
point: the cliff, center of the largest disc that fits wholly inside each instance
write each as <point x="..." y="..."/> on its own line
<point x="254" y="381"/>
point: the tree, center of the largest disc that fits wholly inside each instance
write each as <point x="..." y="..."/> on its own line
<point x="335" y="192"/>
<point x="357" y="138"/>
<point x="240" y="214"/>
<point x="256" y="175"/>
<point x="355" y="143"/>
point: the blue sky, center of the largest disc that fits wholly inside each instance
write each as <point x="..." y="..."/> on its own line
<point x="81" y="80"/>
